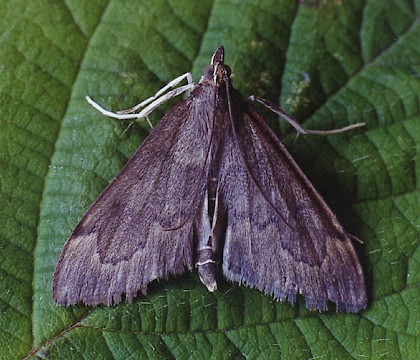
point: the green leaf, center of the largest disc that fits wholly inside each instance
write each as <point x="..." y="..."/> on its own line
<point x="330" y="63"/>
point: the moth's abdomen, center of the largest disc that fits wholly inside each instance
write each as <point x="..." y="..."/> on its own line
<point x="207" y="236"/>
<point x="207" y="267"/>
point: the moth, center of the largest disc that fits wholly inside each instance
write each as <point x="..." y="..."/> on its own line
<point x="211" y="187"/>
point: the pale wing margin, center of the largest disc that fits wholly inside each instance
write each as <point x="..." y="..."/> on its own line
<point x="122" y="243"/>
<point x="281" y="237"/>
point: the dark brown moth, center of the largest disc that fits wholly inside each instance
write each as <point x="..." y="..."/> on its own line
<point x="212" y="187"/>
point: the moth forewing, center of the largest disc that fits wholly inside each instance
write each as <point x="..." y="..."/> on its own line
<point x="211" y="187"/>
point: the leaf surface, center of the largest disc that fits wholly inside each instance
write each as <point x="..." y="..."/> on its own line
<point x="328" y="63"/>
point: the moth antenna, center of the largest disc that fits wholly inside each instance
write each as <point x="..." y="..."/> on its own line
<point x="197" y="188"/>
<point x="298" y="127"/>
<point x="228" y="88"/>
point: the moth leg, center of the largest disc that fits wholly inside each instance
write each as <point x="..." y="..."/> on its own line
<point x="153" y="102"/>
<point x="355" y="238"/>
<point x="298" y="127"/>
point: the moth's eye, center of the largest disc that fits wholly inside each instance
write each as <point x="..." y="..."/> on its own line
<point x="228" y="70"/>
<point x="208" y="72"/>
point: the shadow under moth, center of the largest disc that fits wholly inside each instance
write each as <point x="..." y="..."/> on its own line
<point x="211" y="187"/>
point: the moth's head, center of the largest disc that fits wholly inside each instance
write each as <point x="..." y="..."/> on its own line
<point x="217" y="71"/>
